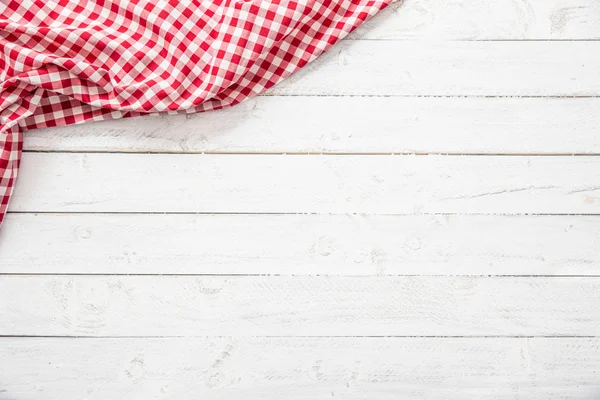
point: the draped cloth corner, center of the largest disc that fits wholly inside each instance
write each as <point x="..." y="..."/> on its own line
<point x="70" y="61"/>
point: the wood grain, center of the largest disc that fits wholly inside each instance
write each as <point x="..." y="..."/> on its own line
<point x="298" y="306"/>
<point x="349" y="125"/>
<point x="407" y="68"/>
<point x="300" y="244"/>
<point x="64" y="182"/>
<point x="485" y="20"/>
<point x="226" y="368"/>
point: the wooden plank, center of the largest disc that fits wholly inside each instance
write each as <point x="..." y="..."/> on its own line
<point x="485" y="20"/>
<point x="300" y="244"/>
<point x="66" y="182"/>
<point x="369" y="125"/>
<point x="300" y="368"/>
<point x="409" y="68"/>
<point x="298" y="306"/>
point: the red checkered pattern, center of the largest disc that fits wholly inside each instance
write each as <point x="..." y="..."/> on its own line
<point x="69" y="61"/>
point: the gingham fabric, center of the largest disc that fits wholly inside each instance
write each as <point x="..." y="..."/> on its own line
<point x="69" y="61"/>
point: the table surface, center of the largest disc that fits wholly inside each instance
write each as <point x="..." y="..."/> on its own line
<point x="416" y="215"/>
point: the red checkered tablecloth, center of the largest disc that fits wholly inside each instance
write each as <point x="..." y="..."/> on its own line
<point x="69" y="61"/>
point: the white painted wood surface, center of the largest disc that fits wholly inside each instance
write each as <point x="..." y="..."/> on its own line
<point x="300" y="244"/>
<point x="437" y="68"/>
<point x="294" y="295"/>
<point x="300" y="368"/>
<point x="485" y="20"/>
<point x="66" y="182"/>
<point x="299" y="306"/>
<point x="275" y="124"/>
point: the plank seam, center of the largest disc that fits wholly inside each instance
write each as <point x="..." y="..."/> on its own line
<point x="294" y="213"/>
<point x="310" y="337"/>
<point x="312" y="153"/>
<point x="473" y="96"/>
<point x="479" y="276"/>
<point x="417" y="39"/>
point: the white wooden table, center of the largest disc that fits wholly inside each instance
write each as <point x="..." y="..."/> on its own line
<point x="416" y="215"/>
